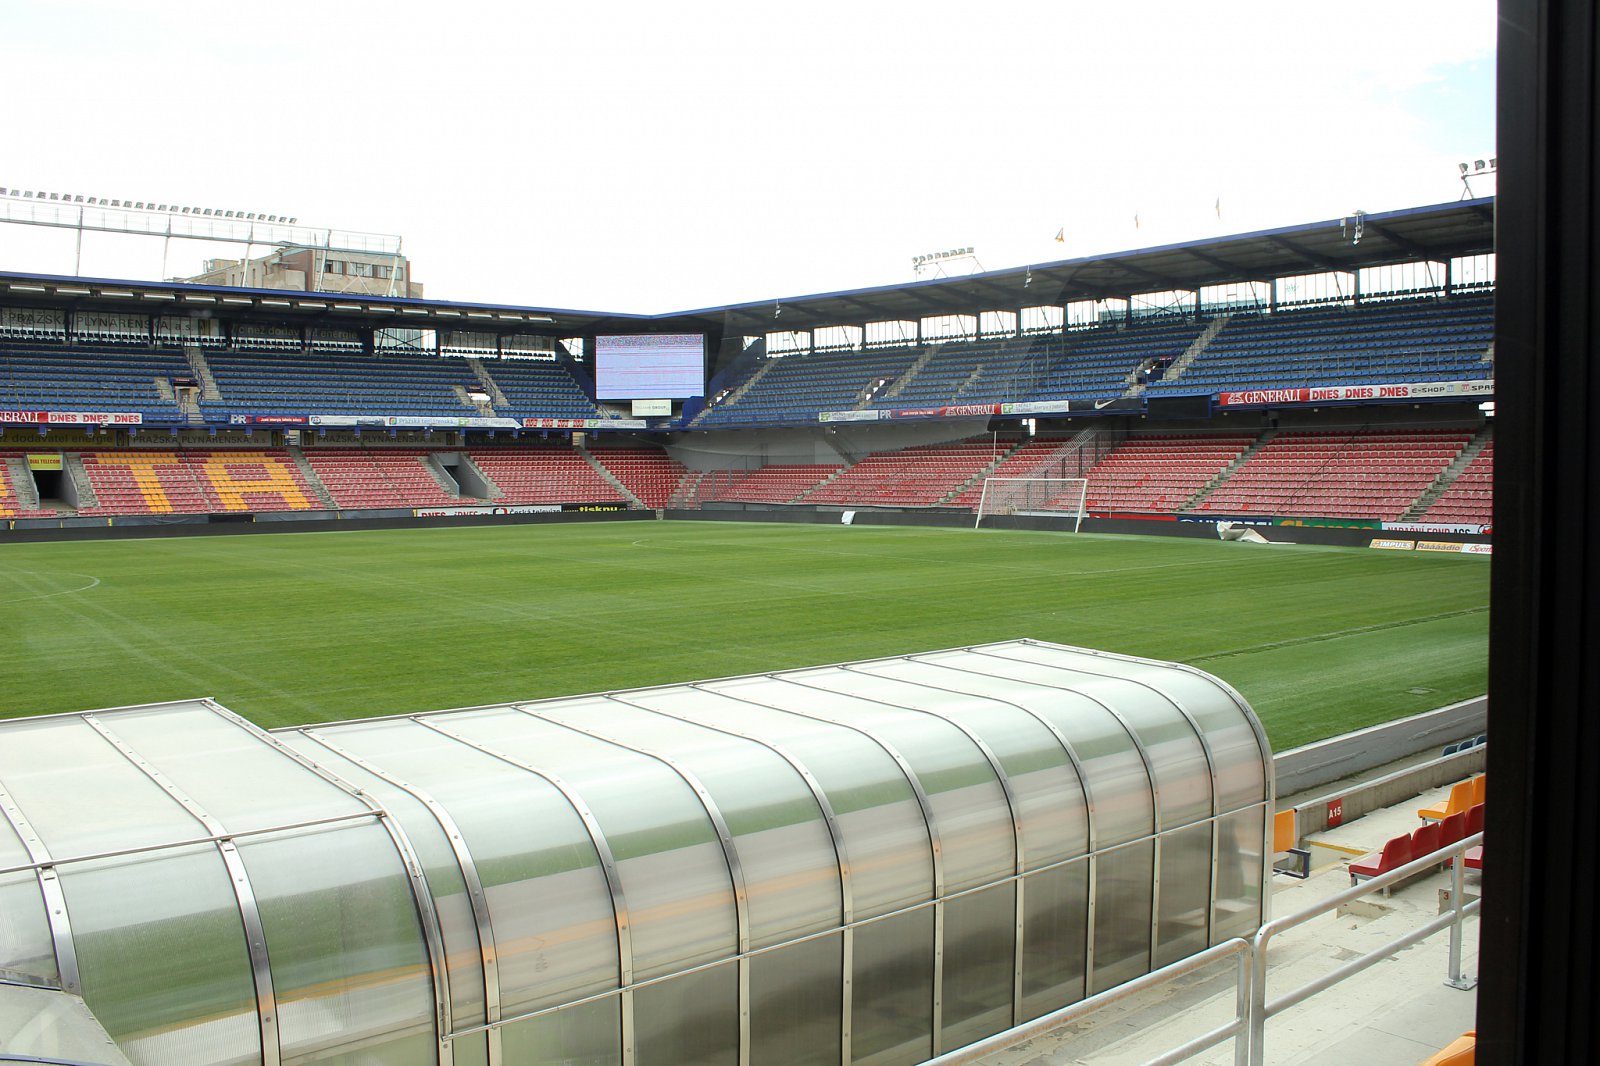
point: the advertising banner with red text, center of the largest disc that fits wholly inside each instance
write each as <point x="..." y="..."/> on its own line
<point x="1400" y="390"/>
<point x="71" y="418"/>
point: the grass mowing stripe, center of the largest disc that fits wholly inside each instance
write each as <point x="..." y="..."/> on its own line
<point x="1335" y="635"/>
<point x="297" y="628"/>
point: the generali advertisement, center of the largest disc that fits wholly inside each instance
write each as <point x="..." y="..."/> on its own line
<point x="1402" y="390"/>
<point x="71" y="418"/>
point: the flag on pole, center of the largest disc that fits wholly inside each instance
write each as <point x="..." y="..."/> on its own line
<point x="1061" y="235"/>
<point x="1219" y="207"/>
<point x="1135" y="221"/>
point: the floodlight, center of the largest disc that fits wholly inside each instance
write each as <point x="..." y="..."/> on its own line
<point x="1463" y="167"/>
<point x="1477" y="164"/>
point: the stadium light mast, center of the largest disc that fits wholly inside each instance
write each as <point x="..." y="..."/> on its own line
<point x="150" y="218"/>
<point x="937" y="261"/>
<point x="1477" y="169"/>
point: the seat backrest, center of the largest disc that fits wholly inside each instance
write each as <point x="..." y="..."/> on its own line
<point x="1396" y="853"/>
<point x="1479" y="787"/>
<point x="1460" y="797"/>
<point x="1425" y="840"/>
<point x="1452" y="829"/>
<point x="1283" y="831"/>
<point x="1474" y="819"/>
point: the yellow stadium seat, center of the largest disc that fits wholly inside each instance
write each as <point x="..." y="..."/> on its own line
<point x="1460" y="799"/>
<point x="1462" y="1051"/>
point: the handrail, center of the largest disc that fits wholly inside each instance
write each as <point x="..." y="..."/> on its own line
<point x="1248" y="1027"/>
<point x="1261" y="1010"/>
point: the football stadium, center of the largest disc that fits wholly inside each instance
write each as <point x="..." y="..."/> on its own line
<point x="1264" y="503"/>
<point x="1085" y="661"/>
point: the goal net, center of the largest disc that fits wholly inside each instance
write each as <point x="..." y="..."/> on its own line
<point x="1057" y="496"/>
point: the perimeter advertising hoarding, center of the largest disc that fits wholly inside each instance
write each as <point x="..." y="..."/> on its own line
<point x="269" y="420"/>
<point x="584" y="423"/>
<point x="71" y="418"/>
<point x="510" y="509"/>
<point x="1435" y="527"/>
<point x="1454" y="546"/>
<point x="1330" y="523"/>
<point x="452" y="512"/>
<point x="414" y="422"/>
<point x="1424" y="390"/>
<point x="850" y="416"/>
<point x="960" y="410"/>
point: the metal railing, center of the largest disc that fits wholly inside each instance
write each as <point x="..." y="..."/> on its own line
<point x="1247" y="1029"/>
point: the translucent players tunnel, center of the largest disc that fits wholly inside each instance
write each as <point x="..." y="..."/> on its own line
<point x="871" y="862"/>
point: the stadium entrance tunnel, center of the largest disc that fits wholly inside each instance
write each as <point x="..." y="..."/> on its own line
<point x="872" y="862"/>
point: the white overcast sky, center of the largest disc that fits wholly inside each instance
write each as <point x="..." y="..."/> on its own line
<point x="647" y="156"/>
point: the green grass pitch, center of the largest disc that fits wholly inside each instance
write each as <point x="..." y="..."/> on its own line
<point x="295" y="628"/>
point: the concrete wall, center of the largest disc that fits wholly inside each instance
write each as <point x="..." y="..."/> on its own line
<point x="138" y="526"/>
<point x="1329" y="760"/>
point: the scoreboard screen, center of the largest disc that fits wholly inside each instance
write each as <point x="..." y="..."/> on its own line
<point x="650" y="366"/>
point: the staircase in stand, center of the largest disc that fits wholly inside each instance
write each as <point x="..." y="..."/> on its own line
<point x="977" y="479"/>
<point x="1184" y="361"/>
<point x="610" y="478"/>
<point x="910" y="373"/>
<point x="202" y="372"/>
<point x="22" y="483"/>
<point x="1222" y="476"/>
<point x="481" y="372"/>
<point x="1447" y="476"/>
<point x="484" y="409"/>
<point x="72" y="463"/>
<point x="738" y="393"/>
<point x="687" y="494"/>
<point x="321" y="490"/>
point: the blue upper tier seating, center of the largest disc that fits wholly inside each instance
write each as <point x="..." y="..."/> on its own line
<point x="77" y="379"/>
<point x="1405" y="340"/>
<point x="986" y="371"/>
<point x="1084" y="364"/>
<point x="539" y="388"/>
<point x="1396" y="341"/>
<point x="797" y="386"/>
<point x="1096" y="363"/>
<point x="325" y="383"/>
<point x="386" y="384"/>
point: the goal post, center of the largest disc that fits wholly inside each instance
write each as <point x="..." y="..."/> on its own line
<point x="1064" y="496"/>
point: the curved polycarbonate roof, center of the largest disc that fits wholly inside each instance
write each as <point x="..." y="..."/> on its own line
<point x="866" y="862"/>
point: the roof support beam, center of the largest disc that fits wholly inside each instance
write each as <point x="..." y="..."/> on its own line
<point x="1313" y="258"/>
<point x="1405" y="244"/>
